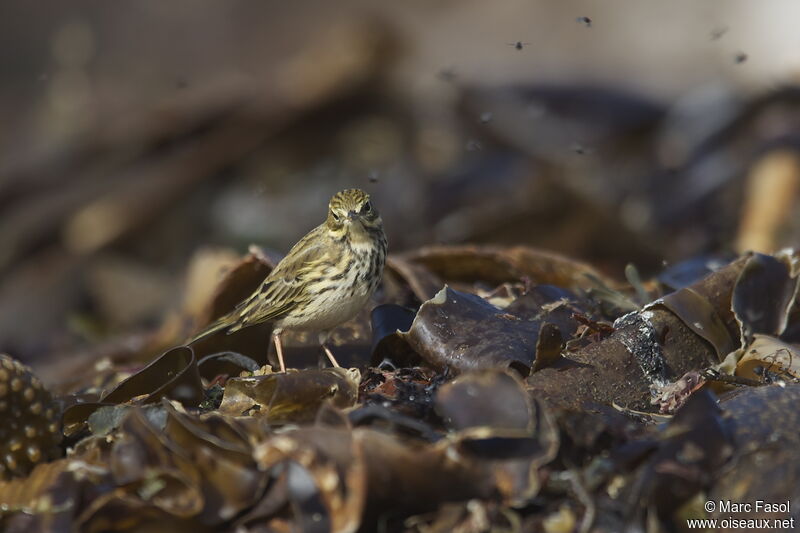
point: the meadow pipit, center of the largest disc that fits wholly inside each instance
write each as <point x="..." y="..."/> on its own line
<point x="324" y="280"/>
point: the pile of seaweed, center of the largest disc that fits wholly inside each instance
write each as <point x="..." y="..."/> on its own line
<point x="484" y="388"/>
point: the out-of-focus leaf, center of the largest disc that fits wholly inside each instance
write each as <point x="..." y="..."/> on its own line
<point x="769" y="200"/>
<point x="417" y="279"/>
<point x="325" y="479"/>
<point x="237" y="284"/>
<point x="475" y="515"/>
<point x="172" y="465"/>
<point x="141" y="456"/>
<point x="203" y="274"/>
<point x="612" y="302"/>
<point x="44" y="501"/>
<point x="221" y="456"/>
<point x="550" y="303"/>
<point x="490" y="398"/>
<point x="691" y="271"/>
<point x="766" y="459"/>
<point x="414" y="477"/>
<point x="495" y="265"/>
<point x="635" y="281"/>
<point x="692" y="450"/>
<point x="512" y="457"/>
<point x="494" y="420"/>
<point x="382" y="418"/>
<point x="506" y="294"/>
<point x="108" y="418"/>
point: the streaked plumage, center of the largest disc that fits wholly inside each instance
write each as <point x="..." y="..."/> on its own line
<point x="324" y="280"/>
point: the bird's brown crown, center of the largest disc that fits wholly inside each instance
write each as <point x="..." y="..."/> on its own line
<point x="352" y="205"/>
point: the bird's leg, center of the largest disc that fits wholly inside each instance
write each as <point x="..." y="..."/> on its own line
<point x="323" y="340"/>
<point x="330" y="356"/>
<point x="276" y="338"/>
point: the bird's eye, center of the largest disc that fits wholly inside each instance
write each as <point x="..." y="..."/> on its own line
<point x="335" y="216"/>
<point x="367" y="207"/>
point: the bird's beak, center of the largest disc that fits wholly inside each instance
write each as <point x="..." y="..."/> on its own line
<point x="352" y="215"/>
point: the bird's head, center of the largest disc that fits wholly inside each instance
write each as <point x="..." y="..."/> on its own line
<point x="351" y="211"/>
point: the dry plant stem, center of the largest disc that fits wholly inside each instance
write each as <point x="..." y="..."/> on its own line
<point x="772" y="194"/>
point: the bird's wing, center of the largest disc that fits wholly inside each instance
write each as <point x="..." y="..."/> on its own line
<point x="286" y="286"/>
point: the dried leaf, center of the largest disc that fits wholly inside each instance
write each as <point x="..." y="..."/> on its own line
<point x="225" y="363"/>
<point x="173" y="375"/>
<point x="462" y="331"/>
<point x="763" y="296"/>
<point x="388" y="322"/>
<point x="700" y="316"/>
<point x="496" y="265"/>
<point x="295" y="396"/>
<point x="769" y="357"/>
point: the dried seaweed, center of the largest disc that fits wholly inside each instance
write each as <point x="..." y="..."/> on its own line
<point x="485" y="387"/>
<point x="762" y="297"/>
<point x="462" y="331"/>
<point x="470" y="414"/>
<point x="291" y="397"/>
<point x="487" y="399"/>
<point x="701" y="317"/>
<point x="768" y="358"/>
<point x="691" y="451"/>
<point x="388" y="323"/>
<point x="173" y="375"/>
<point x="765" y="461"/>
<point x="651" y="347"/>
<point x="496" y="265"/>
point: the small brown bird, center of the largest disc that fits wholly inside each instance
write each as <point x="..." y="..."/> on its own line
<point x="324" y="280"/>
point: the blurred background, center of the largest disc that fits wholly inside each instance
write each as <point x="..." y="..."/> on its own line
<point x="140" y="138"/>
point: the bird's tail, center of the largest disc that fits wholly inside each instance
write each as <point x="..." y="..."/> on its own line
<point x="222" y="323"/>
